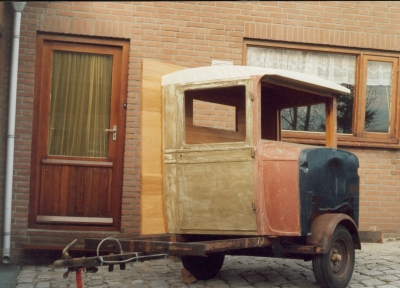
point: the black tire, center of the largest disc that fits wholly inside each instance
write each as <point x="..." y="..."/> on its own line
<point x="332" y="270"/>
<point x="203" y="268"/>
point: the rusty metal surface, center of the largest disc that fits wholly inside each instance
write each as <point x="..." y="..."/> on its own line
<point x="302" y="249"/>
<point x="175" y="247"/>
<point x="92" y="243"/>
<point x="96" y="261"/>
<point x="150" y="248"/>
<point x="323" y="226"/>
<point x="278" y="197"/>
<point x="282" y="205"/>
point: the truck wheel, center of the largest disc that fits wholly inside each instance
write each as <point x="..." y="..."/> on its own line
<point x="203" y="268"/>
<point x="335" y="268"/>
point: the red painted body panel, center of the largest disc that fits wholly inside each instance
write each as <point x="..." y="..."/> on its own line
<point x="281" y="200"/>
<point x="277" y="198"/>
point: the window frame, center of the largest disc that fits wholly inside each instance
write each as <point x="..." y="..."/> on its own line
<point x="392" y="120"/>
<point x="359" y="137"/>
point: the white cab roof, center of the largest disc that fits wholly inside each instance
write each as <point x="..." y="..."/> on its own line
<point x="277" y="76"/>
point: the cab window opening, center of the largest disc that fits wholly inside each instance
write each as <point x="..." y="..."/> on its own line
<point x="215" y="115"/>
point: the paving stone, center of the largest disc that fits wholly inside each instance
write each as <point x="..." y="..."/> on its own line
<point x="94" y="283"/>
<point x="158" y="284"/>
<point x="372" y="273"/>
<point x="390" y="271"/>
<point x="27" y="273"/>
<point x="24" y="280"/>
<point x="44" y="277"/>
<point x="359" y="277"/>
<point x="389" y="278"/>
<point x="24" y="285"/>
<point x="254" y="278"/>
<point x="372" y="282"/>
<point x="43" y="285"/>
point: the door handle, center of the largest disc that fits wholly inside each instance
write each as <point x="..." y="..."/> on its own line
<point x="114" y="131"/>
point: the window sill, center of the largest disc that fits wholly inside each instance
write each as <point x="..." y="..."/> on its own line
<point x="342" y="141"/>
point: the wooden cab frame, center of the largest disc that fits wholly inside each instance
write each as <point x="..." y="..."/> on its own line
<point x="164" y="142"/>
<point x="212" y="177"/>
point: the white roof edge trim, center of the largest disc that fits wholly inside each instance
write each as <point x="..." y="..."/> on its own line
<point x="215" y="73"/>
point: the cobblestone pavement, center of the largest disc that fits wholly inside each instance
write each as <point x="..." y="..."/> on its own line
<point x="377" y="265"/>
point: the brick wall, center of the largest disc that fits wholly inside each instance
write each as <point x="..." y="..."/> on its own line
<point x="214" y="115"/>
<point x="191" y="34"/>
<point x="379" y="190"/>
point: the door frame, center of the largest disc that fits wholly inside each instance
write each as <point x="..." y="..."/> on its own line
<point x="41" y="102"/>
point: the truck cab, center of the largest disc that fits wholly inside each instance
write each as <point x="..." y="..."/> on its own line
<point x="244" y="180"/>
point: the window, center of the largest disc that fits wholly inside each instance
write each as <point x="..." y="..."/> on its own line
<point x="215" y="115"/>
<point x="366" y="114"/>
<point x="378" y="104"/>
<point x="80" y="104"/>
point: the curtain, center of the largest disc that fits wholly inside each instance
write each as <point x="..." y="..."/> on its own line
<point x="80" y="104"/>
<point x="379" y="73"/>
<point x="338" y="68"/>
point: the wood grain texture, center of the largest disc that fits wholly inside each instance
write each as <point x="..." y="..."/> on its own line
<point x="170" y="197"/>
<point x="216" y="195"/>
<point x="77" y="220"/>
<point x="82" y="191"/>
<point x="169" y="115"/>
<point x="331" y="123"/>
<point x="208" y="187"/>
<point x="152" y="210"/>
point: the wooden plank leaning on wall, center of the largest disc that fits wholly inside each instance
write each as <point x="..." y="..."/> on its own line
<point x="151" y="203"/>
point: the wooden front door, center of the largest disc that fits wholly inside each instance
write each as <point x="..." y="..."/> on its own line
<point x="79" y="131"/>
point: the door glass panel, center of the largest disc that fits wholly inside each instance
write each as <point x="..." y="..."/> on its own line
<point x="377" y="102"/>
<point x="80" y="104"/>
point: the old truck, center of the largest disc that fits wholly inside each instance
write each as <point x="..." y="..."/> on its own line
<point x="242" y="190"/>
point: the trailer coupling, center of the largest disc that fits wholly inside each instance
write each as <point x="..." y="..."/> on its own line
<point x="89" y="264"/>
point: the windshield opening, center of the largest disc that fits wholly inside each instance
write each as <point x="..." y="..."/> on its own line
<point x="285" y="109"/>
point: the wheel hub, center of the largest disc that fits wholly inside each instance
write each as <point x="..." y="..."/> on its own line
<point x="336" y="259"/>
